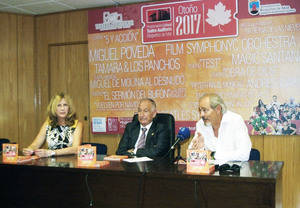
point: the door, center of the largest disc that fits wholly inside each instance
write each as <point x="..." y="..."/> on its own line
<point x="69" y="73"/>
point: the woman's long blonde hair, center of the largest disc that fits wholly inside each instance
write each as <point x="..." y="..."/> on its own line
<point x="51" y="110"/>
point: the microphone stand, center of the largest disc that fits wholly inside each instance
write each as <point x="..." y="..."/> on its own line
<point x="178" y="157"/>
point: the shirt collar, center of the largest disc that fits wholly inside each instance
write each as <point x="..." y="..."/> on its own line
<point x="225" y="117"/>
<point x="147" y="127"/>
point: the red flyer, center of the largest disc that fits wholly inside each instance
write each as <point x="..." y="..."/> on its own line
<point x="10" y="153"/>
<point x="86" y="155"/>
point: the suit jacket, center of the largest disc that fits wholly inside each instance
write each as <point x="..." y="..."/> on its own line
<point x="157" y="141"/>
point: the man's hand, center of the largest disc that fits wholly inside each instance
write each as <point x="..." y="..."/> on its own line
<point x="198" y="141"/>
<point x="180" y="162"/>
<point x="131" y="151"/>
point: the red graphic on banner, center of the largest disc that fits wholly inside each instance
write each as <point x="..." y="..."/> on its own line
<point x="112" y="125"/>
<point x="189" y="20"/>
<point x="123" y="122"/>
<point x="114" y="18"/>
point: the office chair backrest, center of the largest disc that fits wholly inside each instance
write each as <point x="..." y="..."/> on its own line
<point x="3" y="141"/>
<point x="167" y="119"/>
<point x="254" y="154"/>
<point x="101" y="148"/>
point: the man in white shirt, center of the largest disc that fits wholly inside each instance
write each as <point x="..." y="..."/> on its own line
<point x="221" y="131"/>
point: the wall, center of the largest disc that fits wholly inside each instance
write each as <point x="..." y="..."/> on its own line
<point x="17" y="87"/>
<point x="25" y="80"/>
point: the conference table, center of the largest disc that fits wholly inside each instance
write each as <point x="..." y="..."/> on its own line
<point x="59" y="182"/>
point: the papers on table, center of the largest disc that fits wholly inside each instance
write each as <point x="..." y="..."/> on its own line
<point x="138" y="159"/>
<point x="216" y="162"/>
<point x="116" y="157"/>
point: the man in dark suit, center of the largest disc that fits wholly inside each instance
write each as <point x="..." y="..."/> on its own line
<point x="147" y="137"/>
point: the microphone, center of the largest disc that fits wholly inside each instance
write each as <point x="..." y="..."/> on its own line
<point x="183" y="134"/>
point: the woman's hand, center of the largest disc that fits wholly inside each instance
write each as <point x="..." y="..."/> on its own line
<point x="198" y="141"/>
<point x="43" y="152"/>
<point x="27" y="151"/>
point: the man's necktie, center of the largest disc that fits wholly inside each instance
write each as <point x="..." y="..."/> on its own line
<point x="142" y="140"/>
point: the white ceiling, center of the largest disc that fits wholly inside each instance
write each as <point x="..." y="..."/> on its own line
<point x="37" y="7"/>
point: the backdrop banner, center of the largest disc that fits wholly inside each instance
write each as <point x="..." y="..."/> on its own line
<point x="175" y="51"/>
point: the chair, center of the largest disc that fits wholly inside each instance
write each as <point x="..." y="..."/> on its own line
<point x="3" y="141"/>
<point x="101" y="148"/>
<point x="254" y="154"/>
<point x="169" y="120"/>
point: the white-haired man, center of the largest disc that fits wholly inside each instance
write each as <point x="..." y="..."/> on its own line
<point x="221" y="131"/>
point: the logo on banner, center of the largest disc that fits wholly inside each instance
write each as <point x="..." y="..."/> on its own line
<point x="188" y="20"/>
<point x="253" y="7"/>
<point x="161" y="14"/>
<point x="113" y="21"/>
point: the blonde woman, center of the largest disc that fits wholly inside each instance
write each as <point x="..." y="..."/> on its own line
<point x="61" y="130"/>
